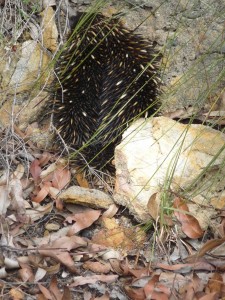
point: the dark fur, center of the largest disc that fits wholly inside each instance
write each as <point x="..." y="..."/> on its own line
<point x="107" y="80"/>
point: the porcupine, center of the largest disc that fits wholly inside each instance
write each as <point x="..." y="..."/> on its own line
<point x="108" y="77"/>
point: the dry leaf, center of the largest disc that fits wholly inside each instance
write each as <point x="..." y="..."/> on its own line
<point x="16" y="294"/>
<point x="19" y="172"/>
<point x="53" y="287"/>
<point x="42" y="194"/>
<point x="61" y="177"/>
<point x="66" y="294"/>
<point x="44" y="159"/>
<point x="151" y="290"/>
<point x="192" y="287"/>
<point x="3" y="273"/>
<point x="53" y="192"/>
<point x="46" y="175"/>
<point x="35" y="169"/>
<point x="4" y="199"/>
<point x="215" y="284"/>
<point x="189" y="224"/>
<point x="80" y="280"/>
<point x="143" y="272"/>
<point x="18" y="204"/>
<point x="11" y="263"/>
<point x="40" y="274"/>
<point x="111" y="211"/>
<point x="186" y="268"/>
<point x="81" y="180"/>
<point x="208" y="246"/>
<point x="39" y="211"/>
<point x="153" y="206"/>
<point x="58" y="250"/>
<point x="116" y="266"/>
<point x="135" y="294"/>
<point x="97" y="267"/>
<point x="83" y="220"/>
<point x="61" y="256"/>
<point x="104" y="297"/>
<point x="45" y="291"/>
<point x="26" y="273"/>
<point x="3" y="177"/>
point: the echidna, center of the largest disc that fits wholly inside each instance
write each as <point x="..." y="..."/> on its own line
<point x="107" y="77"/>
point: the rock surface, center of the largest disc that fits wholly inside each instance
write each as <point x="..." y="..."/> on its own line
<point x="87" y="197"/>
<point x="160" y="154"/>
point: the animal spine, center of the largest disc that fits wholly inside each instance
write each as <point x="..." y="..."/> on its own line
<point x="107" y="77"/>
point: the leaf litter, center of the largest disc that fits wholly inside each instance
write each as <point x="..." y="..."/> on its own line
<point x="88" y="253"/>
<point x="51" y="252"/>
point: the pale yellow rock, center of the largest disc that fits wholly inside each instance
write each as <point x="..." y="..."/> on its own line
<point x="87" y="197"/>
<point x="161" y="154"/>
<point x="33" y="68"/>
<point x="8" y="63"/>
<point x="50" y="32"/>
<point x="52" y="227"/>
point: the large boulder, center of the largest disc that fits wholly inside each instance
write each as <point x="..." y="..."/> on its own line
<point x="159" y="155"/>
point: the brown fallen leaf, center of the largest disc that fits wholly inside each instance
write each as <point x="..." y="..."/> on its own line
<point x="153" y="206"/>
<point x="208" y="246"/>
<point x="189" y="224"/>
<point x="59" y="204"/>
<point x="135" y="294"/>
<point x="104" y="297"/>
<point x="61" y="256"/>
<point x="157" y="296"/>
<point x="35" y="169"/>
<point x="17" y="201"/>
<point x="58" y="250"/>
<point x="61" y="177"/>
<point x="82" y="181"/>
<point x="83" y="220"/>
<point x="45" y="291"/>
<point x="116" y="266"/>
<point x="26" y="273"/>
<point x="66" y="294"/>
<point x="97" y="267"/>
<point x="47" y="174"/>
<point x="125" y="269"/>
<point x="150" y="286"/>
<point x="138" y="273"/>
<point x="44" y="159"/>
<point x="193" y="286"/>
<point x="43" y="192"/>
<point x="16" y="294"/>
<point x="174" y="280"/>
<point x="186" y="268"/>
<point x="211" y="296"/>
<point x="19" y="172"/>
<point x="215" y="284"/>
<point x="80" y="280"/>
<point x="111" y="211"/>
<point x="39" y="211"/>
<point x="53" y="287"/>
